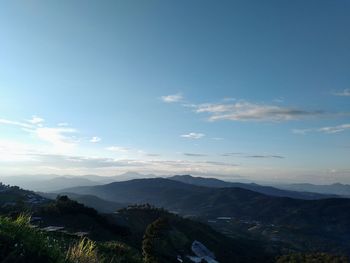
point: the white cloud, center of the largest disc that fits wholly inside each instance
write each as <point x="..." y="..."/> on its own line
<point x="232" y="154"/>
<point x="57" y="137"/>
<point x="335" y="129"/>
<point x="95" y="139"/>
<point x="195" y="154"/>
<point x="117" y="149"/>
<point x="229" y="99"/>
<point x="36" y="120"/>
<point x="328" y="129"/>
<point x="70" y="161"/>
<point x="152" y="154"/>
<point x="259" y="156"/>
<point x="62" y="124"/>
<point x="112" y="166"/>
<point x="344" y="93"/>
<point x="193" y="135"/>
<point x="172" y="98"/>
<point x="247" y="111"/>
<point x="301" y="131"/>
<point x="279" y="100"/>
<point x="12" y="151"/>
<point x="15" y="123"/>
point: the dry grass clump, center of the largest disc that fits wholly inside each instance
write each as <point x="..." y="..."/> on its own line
<point x="84" y="251"/>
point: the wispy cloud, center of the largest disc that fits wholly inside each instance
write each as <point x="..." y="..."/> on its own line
<point x="266" y="156"/>
<point x="62" y="124"/>
<point x="193" y="135"/>
<point x="221" y="163"/>
<point x="57" y="136"/>
<point x="302" y="131"/>
<point x="12" y="151"/>
<point x="69" y="161"/>
<point x="327" y="129"/>
<point x="258" y="156"/>
<point x="195" y="154"/>
<point x="229" y="99"/>
<point x="335" y="129"/>
<point x="343" y="93"/>
<point x="95" y="139"/>
<point x="152" y="154"/>
<point x="231" y="154"/>
<point x="279" y="100"/>
<point x="15" y="123"/>
<point x="172" y="98"/>
<point x="73" y="164"/>
<point x="247" y="111"/>
<point x="36" y="120"/>
<point x="117" y="149"/>
<point x="243" y="110"/>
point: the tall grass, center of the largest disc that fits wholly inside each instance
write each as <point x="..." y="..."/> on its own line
<point x="19" y="242"/>
<point x="83" y="251"/>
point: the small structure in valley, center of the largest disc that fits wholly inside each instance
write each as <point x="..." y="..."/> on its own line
<point x="53" y="228"/>
<point x="202" y="253"/>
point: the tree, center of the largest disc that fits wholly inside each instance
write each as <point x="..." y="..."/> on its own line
<point x="152" y="237"/>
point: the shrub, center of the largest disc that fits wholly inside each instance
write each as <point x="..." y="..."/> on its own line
<point x="154" y="242"/>
<point x="312" y="258"/>
<point x="116" y="252"/>
<point x="83" y="251"/>
<point x="19" y="242"/>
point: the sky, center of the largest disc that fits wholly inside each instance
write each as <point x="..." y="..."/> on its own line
<point x="239" y="90"/>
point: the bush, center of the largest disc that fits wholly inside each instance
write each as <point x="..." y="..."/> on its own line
<point x="116" y="252"/>
<point x="21" y="243"/>
<point x="312" y="258"/>
<point x="155" y="244"/>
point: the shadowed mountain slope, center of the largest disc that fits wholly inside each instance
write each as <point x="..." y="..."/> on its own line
<point x="268" y="190"/>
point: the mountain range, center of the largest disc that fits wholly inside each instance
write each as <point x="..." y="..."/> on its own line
<point x="237" y="210"/>
<point x="268" y="190"/>
<point x="196" y="200"/>
<point x="51" y="182"/>
<point x="134" y="232"/>
<point x="331" y="189"/>
<point x="323" y="219"/>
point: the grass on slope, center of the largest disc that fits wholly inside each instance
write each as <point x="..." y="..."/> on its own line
<point x="21" y="243"/>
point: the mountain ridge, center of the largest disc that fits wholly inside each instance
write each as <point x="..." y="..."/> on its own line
<point x="268" y="190"/>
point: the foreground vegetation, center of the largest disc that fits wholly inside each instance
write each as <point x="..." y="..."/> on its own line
<point x="22" y="243"/>
<point x="19" y="242"/>
<point x="312" y="258"/>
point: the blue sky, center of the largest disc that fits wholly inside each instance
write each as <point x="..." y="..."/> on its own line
<point x="242" y="90"/>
